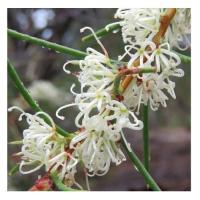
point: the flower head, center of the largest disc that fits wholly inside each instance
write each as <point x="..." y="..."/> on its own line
<point x="42" y="146"/>
<point x="164" y="57"/>
<point x="178" y="34"/>
<point x="96" y="146"/>
<point x="138" y="24"/>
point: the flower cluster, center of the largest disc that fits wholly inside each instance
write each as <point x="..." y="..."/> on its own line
<point x="110" y="96"/>
<point x="101" y="117"/>
<point x="42" y="146"/>
<point x="140" y="30"/>
<point x="138" y="24"/>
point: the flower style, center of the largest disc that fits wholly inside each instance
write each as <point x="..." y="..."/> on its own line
<point x="148" y="89"/>
<point x="167" y="83"/>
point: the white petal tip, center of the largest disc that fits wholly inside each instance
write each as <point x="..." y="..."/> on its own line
<point x="83" y="29"/>
<point x="61" y="117"/>
<point x="68" y="72"/>
<point x="10" y="109"/>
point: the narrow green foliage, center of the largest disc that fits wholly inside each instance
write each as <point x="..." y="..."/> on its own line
<point x="46" y="44"/>
<point x="14" y="170"/>
<point x="184" y="59"/>
<point x="138" y="165"/>
<point x="146" y="143"/>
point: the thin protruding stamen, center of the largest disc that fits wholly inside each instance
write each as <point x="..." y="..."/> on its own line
<point x="97" y="39"/>
<point x="73" y="62"/>
<point x="63" y="107"/>
<point x="50" y="119"/>
<point x="16" y="108"/>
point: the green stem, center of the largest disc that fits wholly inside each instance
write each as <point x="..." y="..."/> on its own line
<point x="14" y="170"/>
<point x="44" y="43"/>
<point x="53" y="46"/>
<point x="58" y="183"/>
<point x="184" y="59"/>
<point x="146" y="138"/>
<point x="101" y="32"/>
<point x="138" y="164"/>
<point x="24" y="92"/>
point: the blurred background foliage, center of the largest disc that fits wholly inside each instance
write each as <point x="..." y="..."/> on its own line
<point x="41" y="71"/>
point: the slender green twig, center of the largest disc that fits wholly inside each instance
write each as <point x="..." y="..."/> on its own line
<point x="138" y="164"/>
<point x="58" y="183"/>
<point x="146" y="138"/>
<point x="24" y="92"/>
<point x="14" y="170"/>
<point x="101" y="32"/>
<point x="184" y="59"/>
<point x="53" y="46"/>
<point x="47" y="44"/>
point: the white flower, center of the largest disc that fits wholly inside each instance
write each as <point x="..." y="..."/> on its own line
<point x="122" y="116"/>
<point x="164" y="57"/>
<point x="64" y="164"/>
<point x="178" y="34"/>
<point x="138" y="24"/>
<point x="141" y="51"/>
<point x="96" y="68"/>
<point x="152" y="88"/>
<point x="42" y="146"/>
<point x="96" y="79"/>
<point x="36" y="147"/>
<point x="87" y="102"/>
<point x="97" y="147"/>
<point x="167" y="83"/>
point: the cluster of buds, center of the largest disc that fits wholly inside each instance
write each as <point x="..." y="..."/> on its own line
<point x="110" y="96"/>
